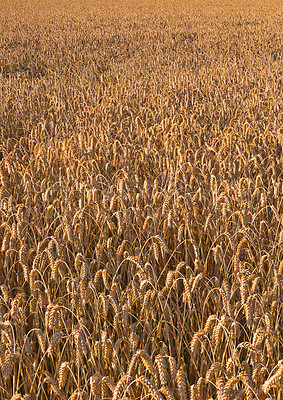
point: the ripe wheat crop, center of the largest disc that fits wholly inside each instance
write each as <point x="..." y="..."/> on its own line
<point x="141" y="200"/>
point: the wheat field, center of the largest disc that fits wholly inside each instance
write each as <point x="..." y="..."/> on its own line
<point x="141" y="200"/>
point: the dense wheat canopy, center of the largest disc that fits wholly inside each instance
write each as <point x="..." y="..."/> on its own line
<point x="141" y="200"/>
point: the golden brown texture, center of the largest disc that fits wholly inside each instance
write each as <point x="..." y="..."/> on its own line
<point x="141" y="199"/>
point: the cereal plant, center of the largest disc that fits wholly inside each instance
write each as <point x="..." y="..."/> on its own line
<point x="141" y="200"/>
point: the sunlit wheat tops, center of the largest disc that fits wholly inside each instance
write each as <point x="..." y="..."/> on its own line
<point x="141" y="212"/>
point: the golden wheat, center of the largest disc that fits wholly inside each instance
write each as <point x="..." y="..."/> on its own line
<point x="141" y="194"/>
